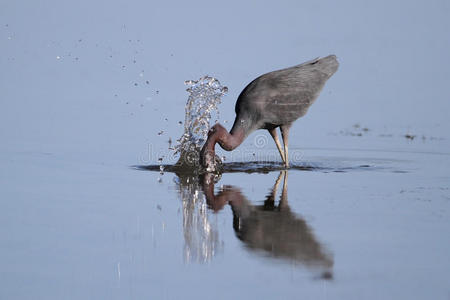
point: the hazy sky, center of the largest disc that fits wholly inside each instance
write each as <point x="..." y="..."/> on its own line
<point x="68" y="69"/>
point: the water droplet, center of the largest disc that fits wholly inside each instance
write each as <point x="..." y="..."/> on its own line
<point x="190" y="82"/>
<point x="204" y="96"/>
<point x="141" y="74"/>
<point x="58" y="57"/>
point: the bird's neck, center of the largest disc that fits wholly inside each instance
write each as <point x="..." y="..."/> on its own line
<point x="227" y="140"/>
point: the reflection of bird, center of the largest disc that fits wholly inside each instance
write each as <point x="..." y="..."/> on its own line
<point x="275" y="99"/>
<point x="270" y="229"/>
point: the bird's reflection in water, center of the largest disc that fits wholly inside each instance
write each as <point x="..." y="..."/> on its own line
<point x="271" y="229"/>
<point x="201" y="238"/>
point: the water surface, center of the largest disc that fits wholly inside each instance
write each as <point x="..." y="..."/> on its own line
<point x="88" y="91"/>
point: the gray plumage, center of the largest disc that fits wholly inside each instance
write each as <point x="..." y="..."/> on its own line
<point x="281" y="97"/>
<point x="273" y="100"/>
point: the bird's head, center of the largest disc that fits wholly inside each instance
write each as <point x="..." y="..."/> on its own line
<point x="208" y="158"/>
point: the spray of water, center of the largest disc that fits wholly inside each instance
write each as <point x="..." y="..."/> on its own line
<point x="201" y="234"/>
<point x="205" y="95"/>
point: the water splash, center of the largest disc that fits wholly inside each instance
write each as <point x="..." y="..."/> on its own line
<point x="205" y="95"/>
<point x="201" y="235"/>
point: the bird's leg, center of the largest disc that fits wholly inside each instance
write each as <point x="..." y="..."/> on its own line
<point x="273" y="133"/>
<point x="277" y="183"/>
<point x="285" y="135"/>
<point x="270" y="200"/>
<point x="283" y="198"/>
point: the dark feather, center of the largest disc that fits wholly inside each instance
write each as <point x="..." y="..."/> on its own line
<point x="281" y="97"/>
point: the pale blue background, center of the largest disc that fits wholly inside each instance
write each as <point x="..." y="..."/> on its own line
<point x="72" y="121"/>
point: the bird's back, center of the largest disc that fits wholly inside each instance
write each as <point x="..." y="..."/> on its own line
<point x="280" y="97"/>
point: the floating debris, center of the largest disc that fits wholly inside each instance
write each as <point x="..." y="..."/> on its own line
<point x="161" y="132"/>
<point x="410" y="136"/>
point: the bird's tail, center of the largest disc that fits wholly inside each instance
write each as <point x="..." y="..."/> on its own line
<point x="329" y="64"/>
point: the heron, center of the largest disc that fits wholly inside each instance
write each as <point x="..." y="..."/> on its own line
<point x="273" y="100"/>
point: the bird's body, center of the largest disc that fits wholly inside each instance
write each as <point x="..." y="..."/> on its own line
<point x="273" y="100"/>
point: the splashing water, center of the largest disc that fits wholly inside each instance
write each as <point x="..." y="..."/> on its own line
<point x="205" y="95"/>
<point x="201" y="234"/>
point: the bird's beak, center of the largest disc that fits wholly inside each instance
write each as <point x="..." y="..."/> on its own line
<point x="207" y="159"/>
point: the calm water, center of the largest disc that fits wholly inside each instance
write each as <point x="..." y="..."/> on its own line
<point x="89" y="91"/>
